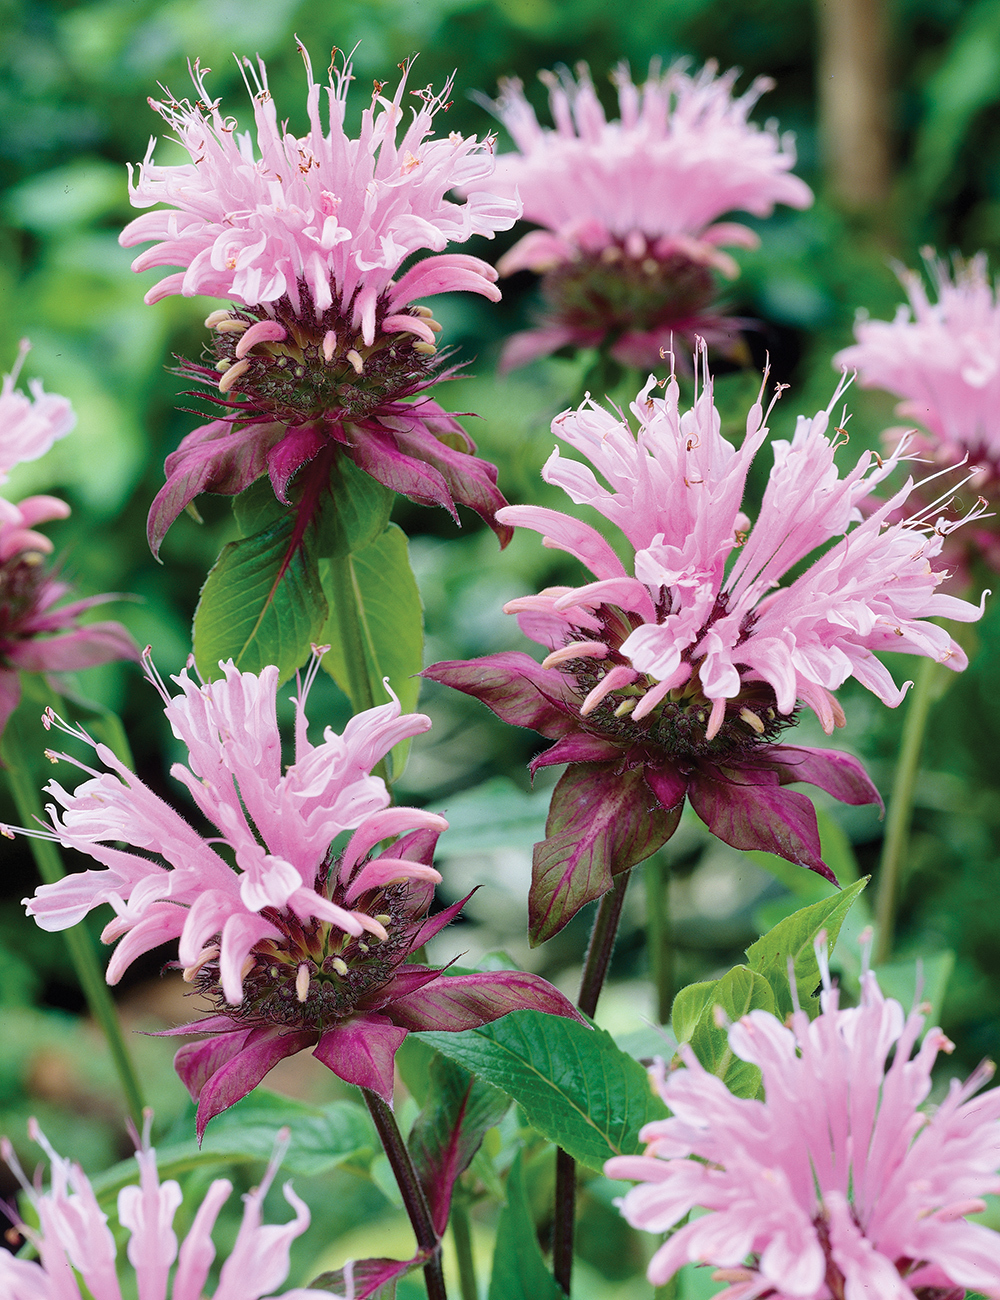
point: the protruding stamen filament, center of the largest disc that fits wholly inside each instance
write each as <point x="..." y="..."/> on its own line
<point x="752" y="721"/>
<point x="232" y="375"/>
<point x="302" y="982"/>
<point x="427" y="349"/>
<point x="576" y="650"/>
<point x="329" y="345"/>
<point x="263" y="331"/>
<point x="354" y="358"/>
<point x="620" y="675"/>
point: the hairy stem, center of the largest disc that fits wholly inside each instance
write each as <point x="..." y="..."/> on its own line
<point x="81" y="947"/>
<point x="658" y="936"/>
<point x="900" y="814"/>
<point x="410" y="1190"/>
<point x="595" y="969"/>
<point x="462" y="1236"/>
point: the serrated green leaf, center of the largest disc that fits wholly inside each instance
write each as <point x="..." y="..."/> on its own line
<point x="355" y="513"/>
<point x="794" y="937"/>
<point x="257" y="507"/>
<point x="322" y="1137"/>
<point x="378" y="595"/>
<point x="262" y="603"/>
<point x="519" y="1271"/>
<point x="576" y="1087"/>
<point x="739" y="991"/>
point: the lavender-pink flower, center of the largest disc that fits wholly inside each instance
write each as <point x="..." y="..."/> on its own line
<point x="630" y="209"/>
<point x="308" y="236"/>
<point x="836" y="1186"/>
<point x="75" y="1244"/>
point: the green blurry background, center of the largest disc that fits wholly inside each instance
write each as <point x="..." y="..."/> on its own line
<point x="73" y="112"/>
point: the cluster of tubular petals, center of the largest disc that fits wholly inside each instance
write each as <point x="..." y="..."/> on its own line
<point x="704" y="614"/>
<point x="335" y="214"/>
<point x="73" y="1239"/>
<point x="836" y="1183"/>
<point x="277" y="825"/>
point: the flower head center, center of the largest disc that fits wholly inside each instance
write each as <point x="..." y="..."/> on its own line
<point x="21" y="580"/>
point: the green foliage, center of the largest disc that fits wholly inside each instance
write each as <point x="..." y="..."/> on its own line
<point x="261" y="604"/>
<point x="519" y="1270"/>
<point x="576" y="1087"/>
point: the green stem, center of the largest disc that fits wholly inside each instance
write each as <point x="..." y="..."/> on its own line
<point x="900" y="814"/>
<point x="595" y="969"/>
<point x="462" y="1236"/>
<point x="81" y="947"/>
<point x="355" y="639"/>
<point x="410" y="1190"/>
<point x="658" y="936"/>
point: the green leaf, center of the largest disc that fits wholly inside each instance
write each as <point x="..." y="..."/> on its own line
<point x="449" y="1130"/>
<point x="261" y="604"/>
<point x="519" y="1271"/>
<point x="739" y="991"/>
<point x="794" y="937"/>
<point x="257" y="508"/>
<point x="355" y="513"/>
<point x="688" y="1008"/>
<point x="374" y="591"/>
<point x="576" y="1087"/>
<point x="322" y="1137"/>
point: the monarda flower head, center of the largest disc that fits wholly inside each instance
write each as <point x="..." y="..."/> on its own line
<point x="37" y="634"/>
<point x="294" y="944"/>
<point x="836" y="1186"/>
<point x="326" y="340"/>
<point x="942" y="358"/>
<point x="75" y="1245"/>
<point x="629" y="209"/>
<point x="678" y="678"/>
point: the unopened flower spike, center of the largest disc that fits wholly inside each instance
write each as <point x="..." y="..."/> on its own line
<point x="294" y="946"/>
<point x="77" y="1251"/>
<point x="40" y="632"/>
<point x="836" y="1184"/>
<point x="675" y="678"/>
<point x="328" y="339"/>
<point x="630" y="243"/>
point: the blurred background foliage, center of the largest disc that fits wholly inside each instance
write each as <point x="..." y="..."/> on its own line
<point x="73" y="86"/>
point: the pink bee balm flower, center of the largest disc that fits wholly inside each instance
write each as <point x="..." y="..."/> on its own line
<point x="75" y="1244"/>
<point x="307" y="236"/>
<point x="630" y="208"/>
<point x="296" y="946"/>
<point x="29" y="425"/>
<point x="836" y="1185"/>
<point x="676" y="679"/>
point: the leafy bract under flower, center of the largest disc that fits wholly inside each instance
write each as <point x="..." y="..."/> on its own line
<point x="836" y="1184"/>
<point x="75" y="1244"/>
<point x="685" y="671"/>
<point x="630" y="208"/>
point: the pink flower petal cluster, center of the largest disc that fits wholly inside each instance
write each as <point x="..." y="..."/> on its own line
<point x="278" y="826"/>
<point x="942" y="358"/>
<point x="75" y="1244"/>
<point x="336" y="214"/>
<point x="684" y="671"/>
<point x="630" y="208"/>
<point x="295" y="945"/>
<point x="837" y="1184"/>
<point x="29" y="425"/>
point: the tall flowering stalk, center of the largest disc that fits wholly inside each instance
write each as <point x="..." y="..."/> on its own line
<point x="677" y="679"/>
<point x="326" y="340"/>
<point x="75" y="1244"/>
<point x="941" y="357"/>
<point x="836" y="1185"/>
<point x="629" y="210"/>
